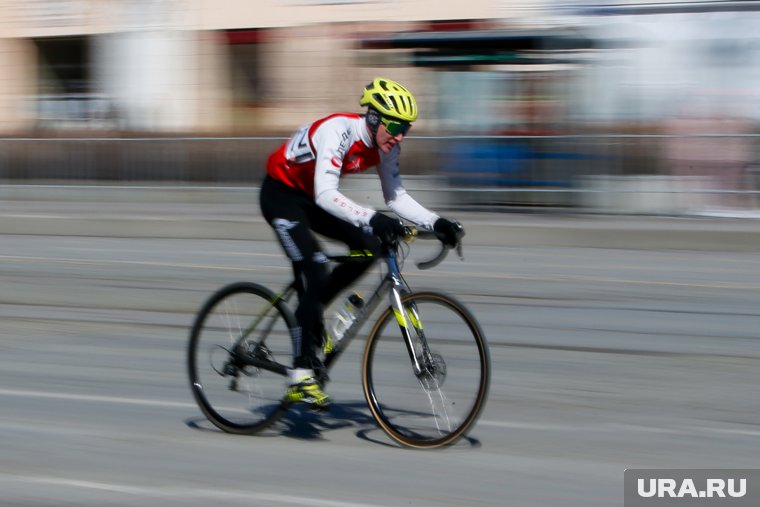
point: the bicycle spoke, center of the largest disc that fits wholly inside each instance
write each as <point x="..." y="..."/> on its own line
<point x="429" y="379"/>
<point x="440" y="413"/>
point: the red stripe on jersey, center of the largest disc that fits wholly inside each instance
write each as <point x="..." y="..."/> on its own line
<point x="358" y="157"/>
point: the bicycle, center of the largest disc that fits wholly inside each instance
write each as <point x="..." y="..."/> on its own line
<point x="240" y="349"/>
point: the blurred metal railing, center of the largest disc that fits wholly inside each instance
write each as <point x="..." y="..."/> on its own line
<point x="159" y="160"/>
<point x="664" y="173"/>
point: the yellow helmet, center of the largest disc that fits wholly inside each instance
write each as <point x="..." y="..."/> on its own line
<point x="390" y="99"/>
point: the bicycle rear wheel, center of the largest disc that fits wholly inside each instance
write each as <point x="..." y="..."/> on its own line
<point x="438" y="405"/>
<point x="241" y="324"/>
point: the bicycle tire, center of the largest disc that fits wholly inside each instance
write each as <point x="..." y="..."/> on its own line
<point x="437" y="408"/>
<point x="256" y="402"/>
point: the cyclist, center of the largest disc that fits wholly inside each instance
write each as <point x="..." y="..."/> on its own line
<point x="300" y="196"/>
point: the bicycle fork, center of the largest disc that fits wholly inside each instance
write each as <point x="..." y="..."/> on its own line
<point x="410" y="324"/>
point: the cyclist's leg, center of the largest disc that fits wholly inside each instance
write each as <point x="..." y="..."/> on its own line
<point x="357" y="240"/>
<point x="289" y="213"/>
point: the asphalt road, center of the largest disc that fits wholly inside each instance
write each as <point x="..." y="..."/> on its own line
<point x="603" y="359"/>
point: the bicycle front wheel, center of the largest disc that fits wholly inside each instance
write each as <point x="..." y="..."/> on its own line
<point x="432" y="394"/>
<point x="239" y="344"/>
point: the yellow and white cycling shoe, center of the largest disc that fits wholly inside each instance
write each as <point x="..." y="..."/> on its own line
<point x="307" y="390"/>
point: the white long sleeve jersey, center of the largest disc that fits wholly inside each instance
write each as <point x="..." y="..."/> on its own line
<point x="315" y="158"/>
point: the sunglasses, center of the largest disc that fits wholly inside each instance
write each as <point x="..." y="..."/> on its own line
<point x="395" y="127"/>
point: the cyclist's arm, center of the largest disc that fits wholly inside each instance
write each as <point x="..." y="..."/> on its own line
<point x="329" y="158"/>
<point x="396" y="196"/>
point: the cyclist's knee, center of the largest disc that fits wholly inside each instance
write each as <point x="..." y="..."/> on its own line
<point x="314" y="272"/>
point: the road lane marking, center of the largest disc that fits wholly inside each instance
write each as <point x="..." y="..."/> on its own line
<point x="174" y="492"/>
<point x="617" y="427"/>
<point x="85" y="262"/>
<point x="95" y="399"/>
<point x="465" y="274"/>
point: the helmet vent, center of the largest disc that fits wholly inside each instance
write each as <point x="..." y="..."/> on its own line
<point x="395" y="104"/>
<point x="379" y="99"/>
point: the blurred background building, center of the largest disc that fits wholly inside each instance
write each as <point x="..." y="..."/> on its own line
<point x="249" y="66"/>
<point x="536" y="93"/>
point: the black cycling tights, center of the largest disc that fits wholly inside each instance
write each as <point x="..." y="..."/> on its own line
<point x="295" y="217"/>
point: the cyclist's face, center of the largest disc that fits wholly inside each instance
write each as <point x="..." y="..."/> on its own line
<point x="385" y="140"/>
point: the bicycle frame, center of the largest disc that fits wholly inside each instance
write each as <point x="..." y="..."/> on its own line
<point x="392" y="284"/>
<point x="395" y="287"/>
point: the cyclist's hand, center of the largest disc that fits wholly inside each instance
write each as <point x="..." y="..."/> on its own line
<point x="386" y="228"/>
<point x="449" y="232"/>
